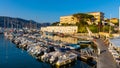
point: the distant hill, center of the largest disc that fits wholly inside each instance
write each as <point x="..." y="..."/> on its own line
<point x="20" y="23"/>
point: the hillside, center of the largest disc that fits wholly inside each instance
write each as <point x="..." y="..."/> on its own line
<point x="20" y="23"/>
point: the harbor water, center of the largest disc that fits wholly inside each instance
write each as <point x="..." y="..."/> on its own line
<point x="13" y="57"/>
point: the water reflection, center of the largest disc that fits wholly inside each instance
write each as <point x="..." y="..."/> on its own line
<point x="13" y="57"/>
<point x="63" y="39"/>
<point x="72" y="41"/>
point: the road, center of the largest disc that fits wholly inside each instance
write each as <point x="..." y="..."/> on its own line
<point x="105" y="59"/>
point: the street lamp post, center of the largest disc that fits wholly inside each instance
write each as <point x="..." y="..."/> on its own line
<point x="119" y="20"/>
<point x="110" y="25"/>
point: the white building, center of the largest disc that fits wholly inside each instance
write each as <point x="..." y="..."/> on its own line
<point x="61" y="29"/>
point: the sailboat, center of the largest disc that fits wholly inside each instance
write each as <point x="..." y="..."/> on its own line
<point x="5" y="33"/>
<point x="1" y="30"/>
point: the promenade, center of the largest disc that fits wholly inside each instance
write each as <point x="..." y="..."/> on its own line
<point x="105" y="59"/>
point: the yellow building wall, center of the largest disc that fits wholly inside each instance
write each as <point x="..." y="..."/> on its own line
<point x="68" y="20"/>
<point x="98" y="15"/>
<point x="73" y="20"/>
<point x="114" y="20"/>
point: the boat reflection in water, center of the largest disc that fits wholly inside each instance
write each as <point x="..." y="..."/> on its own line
<point x="63" y="39"/>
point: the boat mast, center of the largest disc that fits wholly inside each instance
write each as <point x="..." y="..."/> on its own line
<point x="22" y="25"/>
<point x="7" y="23"/>
<point x="17" y="24"/>
<point x="36" y="23"/>
<point x="11" y="24"/>
<point x="30" y="25"/>
<point x="4" y="22"/>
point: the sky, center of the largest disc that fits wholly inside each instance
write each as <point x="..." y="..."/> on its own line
<point x="51" y="10"/>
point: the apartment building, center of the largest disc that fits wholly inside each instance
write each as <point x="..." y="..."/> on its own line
<point x="99" y="17"/>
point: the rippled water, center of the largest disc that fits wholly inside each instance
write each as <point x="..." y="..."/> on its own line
<point x="13" y="57"/>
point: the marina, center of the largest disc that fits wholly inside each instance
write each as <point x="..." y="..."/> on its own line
<point x="59" y="34"/>
<point x="43" y="48"/>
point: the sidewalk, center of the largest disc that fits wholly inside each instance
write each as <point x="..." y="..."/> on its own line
<point x="105" y="59"/>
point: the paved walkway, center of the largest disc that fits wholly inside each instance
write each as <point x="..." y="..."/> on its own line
<point x="105" y="59"/>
